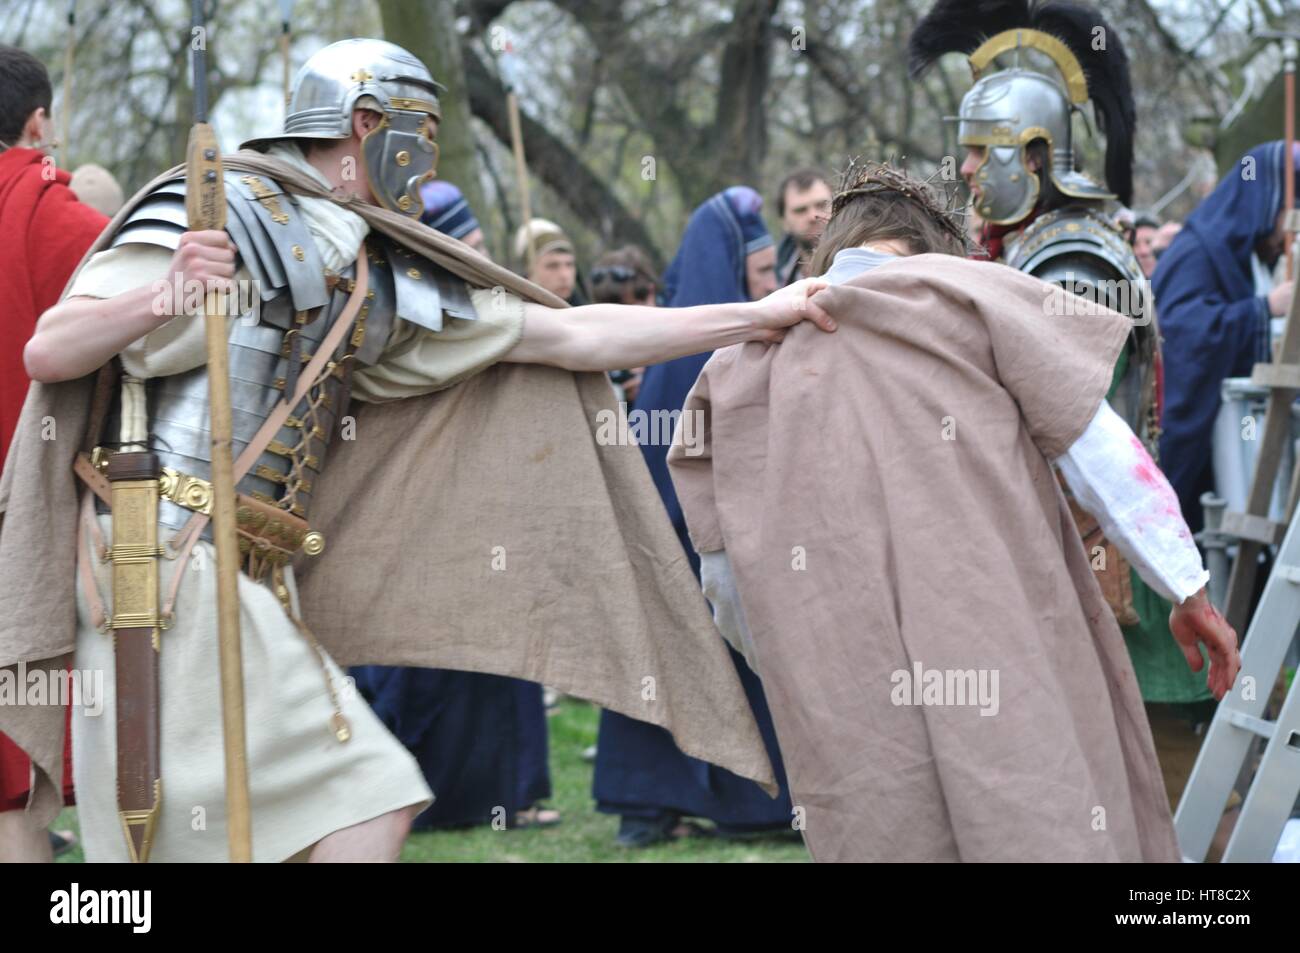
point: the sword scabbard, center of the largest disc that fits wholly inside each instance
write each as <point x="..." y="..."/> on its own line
<point x="136" y="627"/>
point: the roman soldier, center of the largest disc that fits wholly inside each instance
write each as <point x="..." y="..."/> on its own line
<point x="1036" y="65"/>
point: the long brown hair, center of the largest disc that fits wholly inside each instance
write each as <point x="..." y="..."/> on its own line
<point x="880" y="203"/>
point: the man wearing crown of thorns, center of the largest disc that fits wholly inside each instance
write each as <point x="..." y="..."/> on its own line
<point x="946" y="680"/>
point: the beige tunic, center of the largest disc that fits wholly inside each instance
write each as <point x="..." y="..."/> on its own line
<point x="304" y="782"/>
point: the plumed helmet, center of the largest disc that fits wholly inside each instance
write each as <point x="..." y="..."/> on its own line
<point x="1008" y="108"/>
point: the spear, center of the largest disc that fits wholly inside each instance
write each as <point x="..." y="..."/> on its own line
<point x="205" y="206"/>
<point x="286" y="13"/>
<point x="1288" y="41"/>
<point x="507" y="65"/>
<point x="1288" y="163"/>
<point x="69" y="52"/>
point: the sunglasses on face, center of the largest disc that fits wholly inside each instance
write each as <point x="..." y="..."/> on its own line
<point x="613" y="273"/>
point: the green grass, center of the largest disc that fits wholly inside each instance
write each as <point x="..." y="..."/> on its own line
<point x="68" y="821"/>
<point x="584" y="836"/>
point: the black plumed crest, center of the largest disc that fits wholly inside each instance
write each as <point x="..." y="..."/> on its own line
<point x="1109" y="85"/>
<point x="960" y="26"/>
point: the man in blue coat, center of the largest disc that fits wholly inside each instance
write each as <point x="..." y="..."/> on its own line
<point x="1216" y="300"/>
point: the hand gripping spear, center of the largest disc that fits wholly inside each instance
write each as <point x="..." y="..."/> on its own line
<point x="205" y="207"/>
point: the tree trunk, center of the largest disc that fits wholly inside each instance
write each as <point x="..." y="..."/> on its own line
<point x="739" y="141"/>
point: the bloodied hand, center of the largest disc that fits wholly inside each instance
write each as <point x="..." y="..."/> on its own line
<point x="1195" y="622"/>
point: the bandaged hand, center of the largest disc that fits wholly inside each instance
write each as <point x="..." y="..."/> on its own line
<point x="1195" y="621"/>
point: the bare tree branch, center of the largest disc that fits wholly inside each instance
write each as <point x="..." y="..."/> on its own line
<point x="555" y="163"/>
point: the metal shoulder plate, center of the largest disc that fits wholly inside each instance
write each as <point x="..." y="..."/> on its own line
<point x="1081" y="249"/>
<point x="264" y="223"/>
<point x="414" y="288"/>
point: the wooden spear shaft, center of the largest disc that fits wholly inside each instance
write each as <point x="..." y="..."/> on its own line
<point x="205" y="206"/>
<point x="286" y="37"/>
<point x="1288" y="162"/>
<point x="69" y="54"/>
<point x="284" y="55"/>
<point x="521" y="173"/>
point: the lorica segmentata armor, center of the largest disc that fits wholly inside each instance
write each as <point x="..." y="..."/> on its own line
<point x="296" y="303"/>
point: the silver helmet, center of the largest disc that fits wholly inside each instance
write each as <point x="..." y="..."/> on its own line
<point x="1004" y="113"/>
<point x="399" y="154"/>
<point x="1014" y="105"/>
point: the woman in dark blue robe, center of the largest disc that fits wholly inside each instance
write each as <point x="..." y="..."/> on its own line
<point x="1214" y="323"/>
<point x="481" y="740"/>
<point x="641" y="774"/>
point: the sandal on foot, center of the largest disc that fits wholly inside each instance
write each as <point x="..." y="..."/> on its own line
<point x="537" y="817"/>
<point x="62" y="841"/>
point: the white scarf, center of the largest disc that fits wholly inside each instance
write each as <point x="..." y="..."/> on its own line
<point x="338" y="232"/>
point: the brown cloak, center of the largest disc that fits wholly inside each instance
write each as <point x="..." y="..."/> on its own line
<point x="478" y="528"/>
<point x="885" y="497"/>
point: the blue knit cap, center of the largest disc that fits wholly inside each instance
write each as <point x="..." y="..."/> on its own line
<point x="446" y="210"/>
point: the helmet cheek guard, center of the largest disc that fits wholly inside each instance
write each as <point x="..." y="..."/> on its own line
<point x="399" y="158"/>
<point x="1004" y="114"/>
<point x="1008" y="188"/>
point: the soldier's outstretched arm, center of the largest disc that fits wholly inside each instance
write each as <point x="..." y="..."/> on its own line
<point x="79" y="335"/>
<point x="604" y="337"/>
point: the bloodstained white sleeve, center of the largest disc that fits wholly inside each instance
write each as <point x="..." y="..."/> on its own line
<point x="1114" y="478"/>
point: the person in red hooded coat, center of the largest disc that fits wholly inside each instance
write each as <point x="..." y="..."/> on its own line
<point x="44" y="231"/>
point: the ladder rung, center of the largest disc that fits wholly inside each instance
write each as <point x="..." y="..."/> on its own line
<point x="1239" y="719"/>
<point x="1258" y="529"/>
<point x="1285" y="376"/>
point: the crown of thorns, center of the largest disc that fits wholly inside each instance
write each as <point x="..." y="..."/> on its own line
<point x="868" y="178"/>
